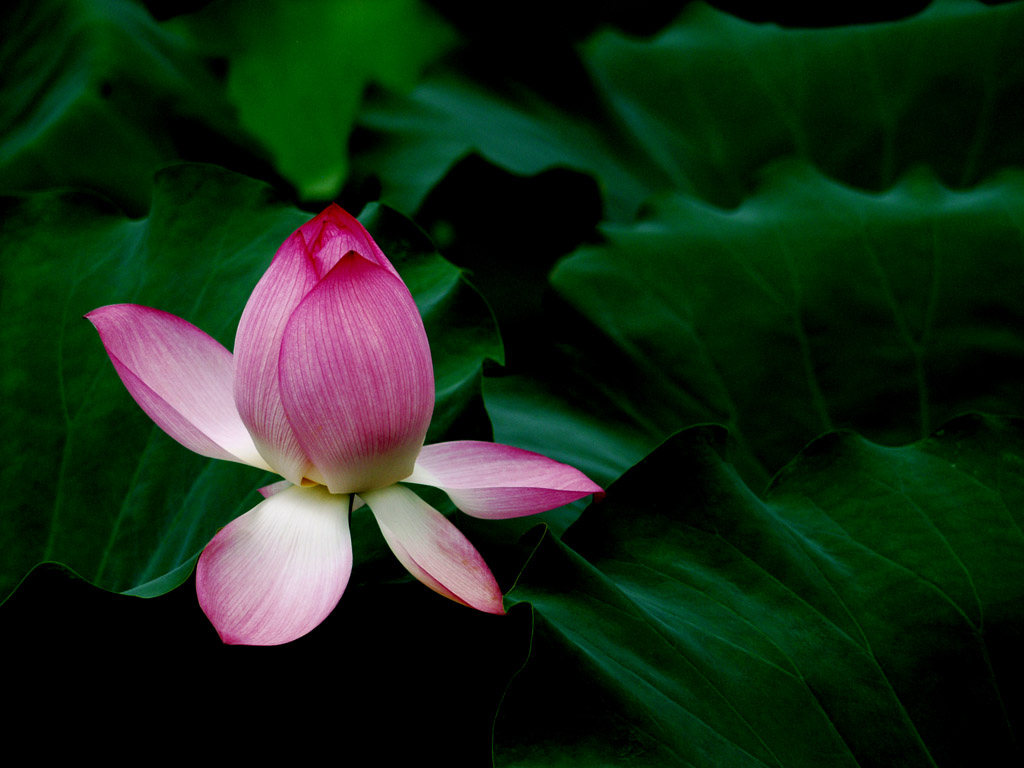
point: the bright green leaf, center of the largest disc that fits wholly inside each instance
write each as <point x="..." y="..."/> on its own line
<point x="297" y="72"/>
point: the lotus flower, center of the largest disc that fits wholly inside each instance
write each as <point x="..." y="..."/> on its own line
<point x="331" y="386"/>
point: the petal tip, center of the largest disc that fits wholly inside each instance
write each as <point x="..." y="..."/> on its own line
<point x="496" y="609"/>
<point x="495" y="481"/>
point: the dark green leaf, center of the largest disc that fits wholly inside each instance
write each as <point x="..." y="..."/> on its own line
<point x="866" y="612"/>
<point x="421" y="136"/>
<point x="809" y="308"/>
<point x="714" y="99"/>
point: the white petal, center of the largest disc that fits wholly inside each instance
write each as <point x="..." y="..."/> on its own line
<point x="276" y="572"/>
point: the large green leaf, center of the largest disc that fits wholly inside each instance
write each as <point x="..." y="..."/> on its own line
<point x="713" y="99"/>
<point x="808" y="308"/>
<point x="703" y="106"/>
<point x="868" y="611"/>
<point x="87" y="479"/>
<point x="97" y="95"/>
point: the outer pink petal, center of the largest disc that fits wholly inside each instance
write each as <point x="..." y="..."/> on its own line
<point x="290" y="277"/>
<point x="277" y="571"/>
<point x="269" y="490"/>
<point x="498" y="481"/>
<point x="433" y="550"/>
<point x="356" y="378"/>
<point x="334" y="233"/>
<point x="180" y="376"/>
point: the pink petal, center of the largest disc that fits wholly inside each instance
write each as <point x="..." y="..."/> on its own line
<point x="498" y="481"/>
<point x="277" y="571"/>
<point x="302" y="260"/>
<point x="433" y="550"/>
<point x="334" y="233"/>
<point x="180" y="376"/>
<point x="257" y="347"/>
<point x="356" y="378"/>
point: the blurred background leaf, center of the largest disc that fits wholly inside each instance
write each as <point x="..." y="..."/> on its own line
<point x="96" y="95"/>
<point x="297" y="72"/>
